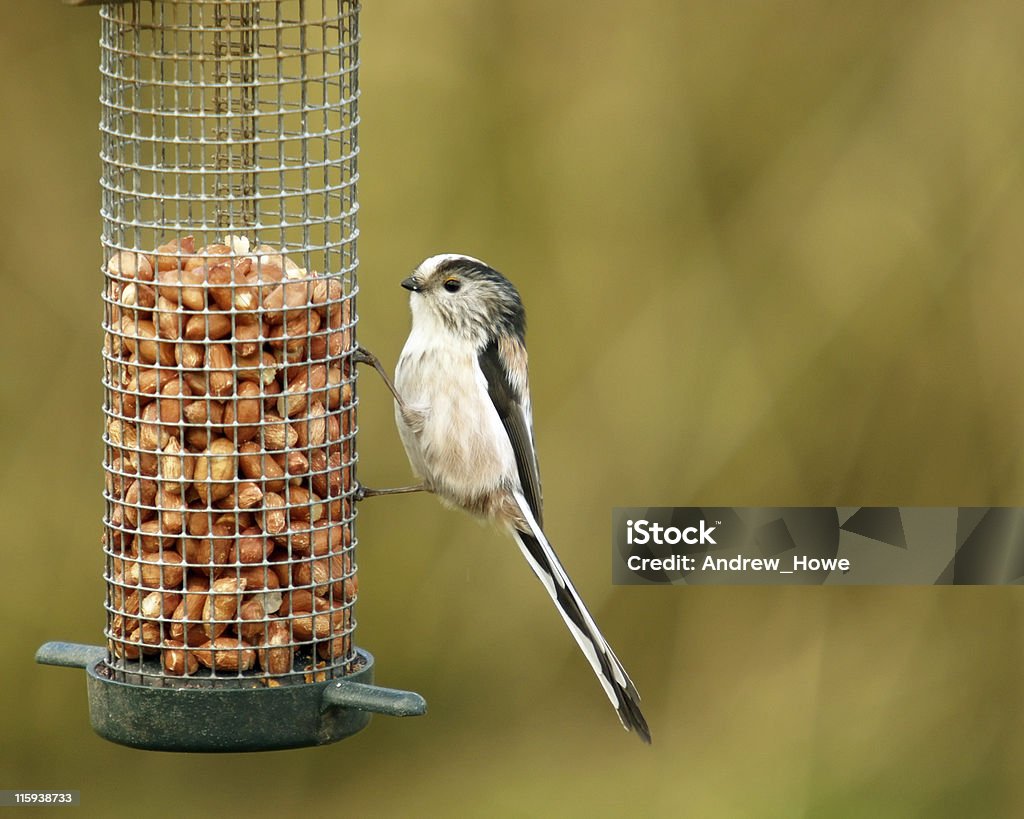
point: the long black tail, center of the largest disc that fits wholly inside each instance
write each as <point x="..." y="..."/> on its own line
<point x="606" y="665"/>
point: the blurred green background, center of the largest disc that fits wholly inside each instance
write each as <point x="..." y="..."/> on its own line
<point x="771" y="254"/>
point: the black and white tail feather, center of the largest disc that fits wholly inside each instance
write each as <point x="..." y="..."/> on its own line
<point x="612" y="676"/>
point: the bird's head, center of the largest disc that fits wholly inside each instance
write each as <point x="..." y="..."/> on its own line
<point x="465" y="297"/>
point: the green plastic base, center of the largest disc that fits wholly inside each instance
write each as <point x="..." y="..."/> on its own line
<point x="230" y="719"/>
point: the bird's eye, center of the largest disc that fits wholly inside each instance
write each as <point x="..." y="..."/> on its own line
<point x="452" y="285"/>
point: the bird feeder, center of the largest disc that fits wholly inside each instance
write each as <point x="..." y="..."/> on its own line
<point x="229" y="148"/>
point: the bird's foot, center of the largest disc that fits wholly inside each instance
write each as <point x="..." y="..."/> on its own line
<point x="364" y="492"/>
<point x="364" y="356"/>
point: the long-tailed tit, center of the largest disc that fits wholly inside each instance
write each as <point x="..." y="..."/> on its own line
<point x="462" y="405"/>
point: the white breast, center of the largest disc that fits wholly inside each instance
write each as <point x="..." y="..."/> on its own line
<point x="456" y="442"/>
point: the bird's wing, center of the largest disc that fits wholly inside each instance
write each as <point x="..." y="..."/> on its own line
<point x="504" y="367"/>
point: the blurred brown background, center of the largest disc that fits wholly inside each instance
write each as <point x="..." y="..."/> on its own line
<point x="771" y="253"/>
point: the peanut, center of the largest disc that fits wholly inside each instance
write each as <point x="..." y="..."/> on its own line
<point x="211" y="326"/>
<point x="151" y="537"/>
<point x="207" y="550"/>
<point x="258" y="367"/>
<point x="170" y="402"/>
<point x="253" y="625"/>
<point x="339" y="648"/>
<point x="259" y="577"/>
<point x="296" y="395"/>
<point x="228" y="287"/>
<point x="259" y="466"/>
<point x="190" y="357"/>
<point x="221" y="604"/>
<point x="169" y="255"/>
<point x="169" y="318"/>
<point x="312" y="431"/>
<point x="304" y="505"/>
<point x="209" y="256"/>
<point x="246" y="496"/>
<point x="278" y="434"/>
<point x="176" y="660"/>
<point x="274" y="518"/>
<point x="130" y="265"/>
<point x="214" y="469"/>
<point x="218" y="365"/>
<point x="286" y="299"/>
<point x="320" y="623"/>
<point x="175" y="469"/>
<point x="184" y="287"/>
<point x="158" y="605"/>
<point x="137" y="300"/>
<point x="165" y="573"/>
<point x="246" y="337"/>
<point x="242" y="415"/>
<point x="226" y="654"/>
<point x="276" y="658"/>
<point x="250" y="547"/>
<point x="294" y="463"/>
<point x="185" y="621"/>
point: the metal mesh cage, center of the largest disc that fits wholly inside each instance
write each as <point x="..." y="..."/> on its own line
<point x="229" y="232"/>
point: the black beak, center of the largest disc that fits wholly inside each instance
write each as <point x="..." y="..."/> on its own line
<point x="410" y="284"/>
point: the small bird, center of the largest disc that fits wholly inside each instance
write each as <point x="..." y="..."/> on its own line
<point x="462" y="406"/>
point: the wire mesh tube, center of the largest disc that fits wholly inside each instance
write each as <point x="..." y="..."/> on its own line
<point x="229" y="231"/>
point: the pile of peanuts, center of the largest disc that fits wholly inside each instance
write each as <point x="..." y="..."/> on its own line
<point x="228" y="461"/>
